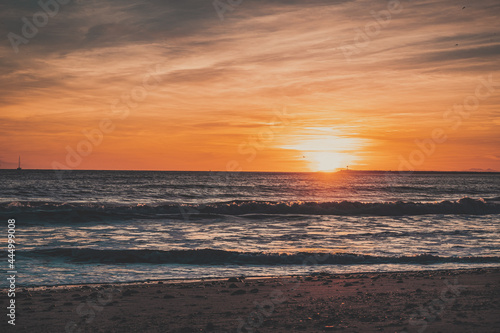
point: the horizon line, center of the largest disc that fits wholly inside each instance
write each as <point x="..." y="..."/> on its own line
<point x="274" y="171"/>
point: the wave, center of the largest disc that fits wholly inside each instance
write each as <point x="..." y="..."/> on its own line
<point x="221" y="257"/>
<point x="63" y="212"/>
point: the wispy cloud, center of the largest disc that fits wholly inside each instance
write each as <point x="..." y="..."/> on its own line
<point x="222" y="80"/>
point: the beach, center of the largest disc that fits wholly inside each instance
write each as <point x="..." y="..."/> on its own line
<point x="430" y="301"/>
<point x="257" y="252"/>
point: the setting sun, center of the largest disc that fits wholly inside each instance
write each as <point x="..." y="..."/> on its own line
<point x="327" y="160"/>
<point x="328" y="151"/>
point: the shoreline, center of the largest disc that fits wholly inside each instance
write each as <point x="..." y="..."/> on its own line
<point x="459" y="300"/>
<point x="247" y="277"/>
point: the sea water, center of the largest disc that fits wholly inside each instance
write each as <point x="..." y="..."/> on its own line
<point x="117" y="226"/>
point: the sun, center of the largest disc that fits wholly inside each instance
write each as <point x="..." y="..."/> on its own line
<point x="327" y="161"/>
<point x="326" y="150"/>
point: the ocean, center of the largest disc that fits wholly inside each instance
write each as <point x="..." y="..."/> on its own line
<point x="124" y="226"/>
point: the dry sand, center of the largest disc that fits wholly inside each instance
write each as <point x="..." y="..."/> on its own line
<point x="426" y="301"/>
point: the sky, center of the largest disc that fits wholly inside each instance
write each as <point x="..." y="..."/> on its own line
<point x="250" y="85"/>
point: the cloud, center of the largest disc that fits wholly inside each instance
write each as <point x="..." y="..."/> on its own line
<point x="482" y="52"/>
<point x="229" y="76"/>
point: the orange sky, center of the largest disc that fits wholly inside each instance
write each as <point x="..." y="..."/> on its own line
<point x="275" y="86"/>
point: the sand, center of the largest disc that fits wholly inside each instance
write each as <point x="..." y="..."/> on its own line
<point x="425" y="301"/>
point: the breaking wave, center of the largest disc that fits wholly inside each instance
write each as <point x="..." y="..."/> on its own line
<point x="221" y="257"/>
<point x="63" y="212"/>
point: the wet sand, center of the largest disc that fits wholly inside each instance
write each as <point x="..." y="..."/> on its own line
<point x="425" y="301"/>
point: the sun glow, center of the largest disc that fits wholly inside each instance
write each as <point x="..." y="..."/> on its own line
<point x="328" y="152"/>
<point x="327" y="161"/>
